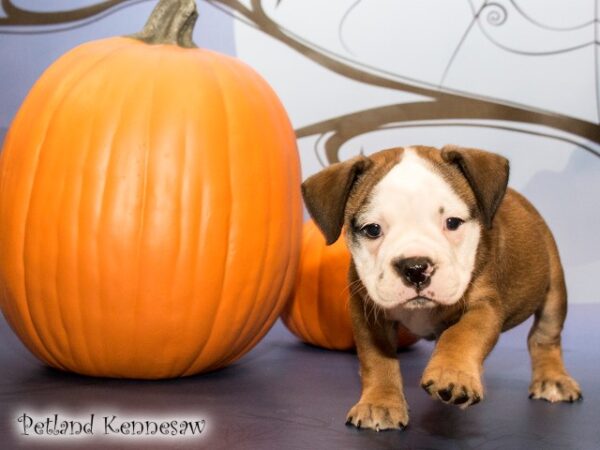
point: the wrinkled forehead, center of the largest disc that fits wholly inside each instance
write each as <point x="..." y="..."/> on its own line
<point x="414" y="179"/>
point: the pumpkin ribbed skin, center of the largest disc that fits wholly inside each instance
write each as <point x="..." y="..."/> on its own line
<point x="319" y="312"/>
<point x="150" y="213"/>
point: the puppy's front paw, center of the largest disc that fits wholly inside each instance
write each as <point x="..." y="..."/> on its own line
<point x="453" y="386"/>
<point x="378" y="416"/>
<point x="561" y="388"/>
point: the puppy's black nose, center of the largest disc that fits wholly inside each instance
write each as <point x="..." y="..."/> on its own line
<point x="414" y="271"/>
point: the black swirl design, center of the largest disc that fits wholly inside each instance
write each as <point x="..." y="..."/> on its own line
<point x="443" y="105"/>
<point x="495" y="13"/>
<point x="24" y="21"/>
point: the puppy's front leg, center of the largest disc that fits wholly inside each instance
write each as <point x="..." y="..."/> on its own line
<point x="382" y="405"/>
<point x="453" y="374"/>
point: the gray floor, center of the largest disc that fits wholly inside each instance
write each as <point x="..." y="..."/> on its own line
<point x="287" y="395"/>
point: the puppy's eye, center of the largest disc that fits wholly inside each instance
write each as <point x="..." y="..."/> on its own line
<point x="371" y="230"/>
<point x="452" y="223"/>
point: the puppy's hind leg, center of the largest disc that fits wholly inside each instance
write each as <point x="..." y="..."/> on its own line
<point x="550" y="380"/>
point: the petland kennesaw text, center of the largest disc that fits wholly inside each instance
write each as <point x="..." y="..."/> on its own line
<point x="108" y="425"/>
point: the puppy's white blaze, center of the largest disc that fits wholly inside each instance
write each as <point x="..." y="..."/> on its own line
<point x="407" y="203"/>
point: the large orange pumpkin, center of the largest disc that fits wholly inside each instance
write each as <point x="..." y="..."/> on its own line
<point x="318" y="312"/>
<point x="150" y="214"/>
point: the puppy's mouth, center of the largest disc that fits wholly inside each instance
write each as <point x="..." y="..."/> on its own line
<point x="419" y="302"/>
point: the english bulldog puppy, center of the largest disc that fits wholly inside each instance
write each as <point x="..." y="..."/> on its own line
<point x="441" y="245"/>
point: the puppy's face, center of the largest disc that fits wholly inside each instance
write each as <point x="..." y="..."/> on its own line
<point x="414" y="218"/>
<point x="414" y="238"/>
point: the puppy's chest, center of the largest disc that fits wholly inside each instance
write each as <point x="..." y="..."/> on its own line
<point x="420" y="322"/>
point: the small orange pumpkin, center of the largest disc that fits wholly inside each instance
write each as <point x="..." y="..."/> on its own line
<point x="150" y="213"/>
<point x="318" y="312"/>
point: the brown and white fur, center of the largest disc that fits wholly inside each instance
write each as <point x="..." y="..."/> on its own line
<point x="441" y="245"/>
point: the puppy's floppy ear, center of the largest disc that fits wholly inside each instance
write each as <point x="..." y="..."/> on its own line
<point x="487" y="174"/>
<point x="326" y="193"/>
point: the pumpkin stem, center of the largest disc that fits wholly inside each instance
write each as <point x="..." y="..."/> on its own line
<point x="171" y="22"/>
